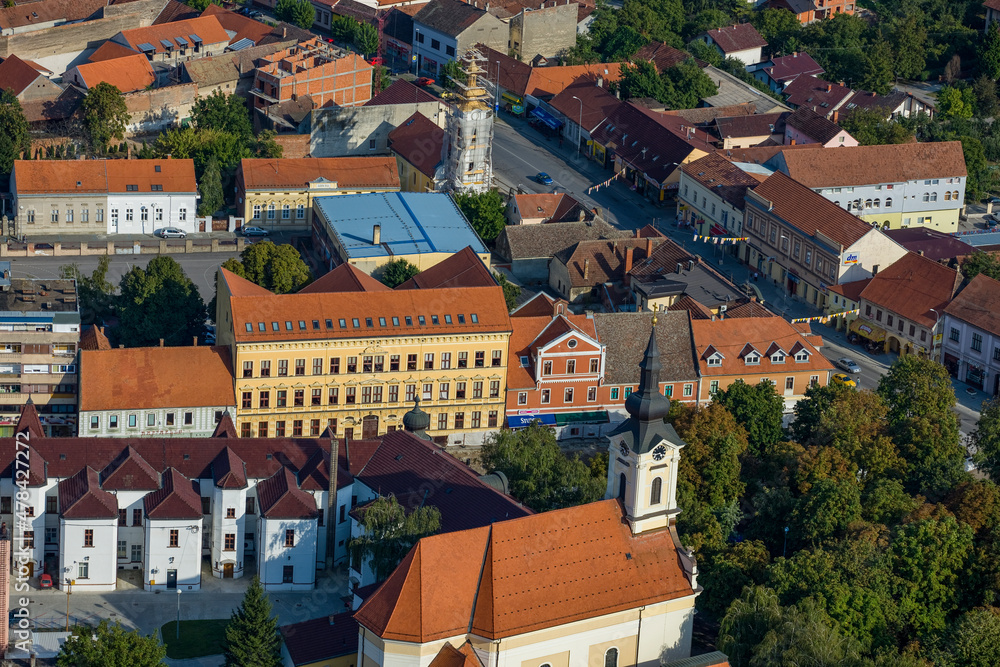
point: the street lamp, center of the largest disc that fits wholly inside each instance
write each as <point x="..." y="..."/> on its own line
<point x="496" y="92"/>
<point x="579" y="137"/>
<point x="178" y="613"/>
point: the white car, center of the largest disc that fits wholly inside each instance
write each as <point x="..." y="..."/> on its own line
<point x="171" y="233"/>
<point x="848" y="365"/>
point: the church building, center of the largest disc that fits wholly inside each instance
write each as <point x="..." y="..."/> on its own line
<point x="607" y="584"/>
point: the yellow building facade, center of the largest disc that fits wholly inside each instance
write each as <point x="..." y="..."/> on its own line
<point x="355" y="361"/>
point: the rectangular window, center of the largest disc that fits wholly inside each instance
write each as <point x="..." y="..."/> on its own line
<point x="300" y="211"/>
<point x="261" y="429"/>
<point x="494" y="388"/>
<point x="265" y="369"/>
<point x="522" y="398"/>
<point x="282" y="398"/>
<point x="95" y="423"/>
<point x="317" y="397"/>
<point x="492" y="423"/>
<point x="713" y="387"/>
<point x="445" y="360"/>
<point x="251" y="509"/>
<point x="591" y="394"/>
<point x="594" y="365"/>
<point x="131" y="421"/>
<point x="411" y="362"/>
<point x="230" y="512"/>
<point x="245" y="430"/>
<point x="790" y="383"/>
<point x="279" y="429"/>
<point x="289" y="537"/>
<point x="314" y="428"/>
<point x="300" y="366"/>
<point x="82" y="570"/>
<point x="443" y="391"/>
<point x="411" y="393"/>
<point x="282" y="367"/>
<point x="497" y="358"/>
<point x="88" y="537"/>
<point x="688" y="389"/>
<point x="265" y="399"/>
<point x="568" y="395"/>
<point x="248" y="369"/>
<point x="297" y="428"/>
<point x="394" y="393"/>
<point x="955" y="334"/>
<point x="977" y="342"/>
<point x="175" y="540"/>
<point x="230" y="542"/>
<point x="287" y="574"/>
<point x="335" y="366"/>
<point x="463" y="359"/>
<point x="545" y="396"/>
<point x="428" y="392"/>
<point x="459" y="420"/>
<point x="442" y="421"/>
<point x="317" y="367"/>
<point x="570" y="366"/>
<point x="477" y="389"/>
<point x="137" y="517"/>
<point x="394" y="363"/>
<point x="480" y="359"/>
<point x="614" y="393"/>
<point x="300" y="397"/>
<point x="122" y="549"/>
<point x="429" y="361"/>
<point x="547" y="368"/>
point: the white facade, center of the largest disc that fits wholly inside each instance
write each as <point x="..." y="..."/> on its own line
<point x="287" y="553"/>
<point x="87" y="554"/>
<point x="34" y="529"/>
<point x="700" y="202"/>
<point x="145" y="212"/>
<point x="179" y="422"/>
<point x="866" y="256"/>
<point x="229" y="536"/>
<point x="131" y="545"/>
<point x="361" y="573"/>
<point x="173" y="554"/>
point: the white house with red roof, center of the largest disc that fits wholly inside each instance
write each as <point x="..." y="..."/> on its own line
<point x="173" y="535"/>
<point x="288" y="536"/>
<point x="87" y="534"/>
<point x="740" y="41"/>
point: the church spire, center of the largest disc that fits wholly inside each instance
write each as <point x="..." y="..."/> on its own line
<point x="647" y="403"/>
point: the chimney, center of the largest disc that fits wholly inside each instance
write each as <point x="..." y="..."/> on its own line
<point x="679" y="267"/>
<point x="637" y="233"/>
<point x="376" y="234"/>
<point x="829" y="87"/>
<point x="920" y="252"/>
<point x="795" y="54"/>
<point x="836" y="116"/>
<point x="793" y="142"/>
<point x="161" y="342"/>
<point x="586" y="269"/>
<point x="284" y="32"/>
<point x="628" y="260"/>
<point x="600" y="82"/>
<point x="690" y="264"/>
<point x="194" y="341"/>
<point x="649" y="248"/>
<point x="331" y="505"/>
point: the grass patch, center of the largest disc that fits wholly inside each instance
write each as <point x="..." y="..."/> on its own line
<point x="198" y="638"/>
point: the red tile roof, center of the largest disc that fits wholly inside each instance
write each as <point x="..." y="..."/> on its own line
<point x="129" y="472"/>
<point x="851" y="290"/>
<point x="156" y="377"/>
<point x="815" y="126"/>
<point x="321" y="639"/>
<point x="734" y="337"/>
<point x="597" y="103"/>
<point x="978" y="304"/>
<point x="463" y="269"/>
<point x="346" y="172"/>
<point x="16" y="75"/>
<point x="602" y="260"/>
<point x="551" y="207"/>
<point x="739" y="37"/>
<point x="344" y="278"/>
<point x="661" y="55"/>
<point x="822" y="96"/>
<point x="229" y="470"/>
<point x="913" y="286"/>
<point x="531" y="332"/>
<point x="539" y="305"/>
<point x="77" y="176"/>
<point x="449" y="656"/>
<point x="128" y="74"/>
<point x="111" y="50"/>
<point x="244" y="27"/>
<point x="281" y="498"/>
<point x="93" y="338"/>
<point x="816" y="167"/>
<point x="419" y="141"/>
<point x="550" y="81"/>
<point x="207" y="28"/>
<point x="722" y="177"/>
<point x="527" y="574"/>
<point x="401" y="91"/>
<point x="785" y="68"/>
<point x="176" y="499"/>
<point x="81" y="497"/>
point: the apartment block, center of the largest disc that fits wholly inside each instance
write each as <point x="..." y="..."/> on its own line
<point x="330" y="76"/>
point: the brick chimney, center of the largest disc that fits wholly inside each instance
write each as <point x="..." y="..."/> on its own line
<point x="829" y="87"/>
<point x="836" y="116"/>
<point x="649" y="248"/>
<point x="331" y="504"/>
<point x="161" y="342"/>
<point x="628" y="260"/>
<point x="586" y="269"/>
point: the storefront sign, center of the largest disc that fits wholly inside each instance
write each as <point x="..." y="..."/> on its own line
<point x="521" y="421"/>
<point x="851" y="258"/>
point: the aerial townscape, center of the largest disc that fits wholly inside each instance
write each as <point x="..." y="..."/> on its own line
<point x="500" y="333"/>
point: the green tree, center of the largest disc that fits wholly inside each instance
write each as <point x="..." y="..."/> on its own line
<point x="980" y="262"/>
<point x="806" y="635"/>
<point x="922" y="422"/>
<point x="878" y="62"/>
<point x="199" y="5"/>
<point x="225" y="113"/>
<point x="210" y="186"/>
<point x="972" y="639"/>
<point x="854" y="423"/>
<point x="748" y="620"/>
<point x="779" y="27"/>
<point x="980" y="178"/>
<point x="829" y="507"/>
<point x="366" y="39"/>
<point x="541" y="476"/>
<point x="511" y="292"/>
<point x="389" y="532"/>
<point x="986" y="437"/>
<point x="641" y="80"/>
<point x="874" y="127"/>
<point x="159" y="302"/>
<point x="397" y="272"/>
<point x="484" y="211"/>
<point x="909" y="44"/>
<point x="380" y="79"/>
<point x="277" y="268"/>
<point x="105" y="115"/>
<point x="759" y="408"/>
<point x="955" y="102"/>
<point x="342" y="28"/>
<point x="703" y="51"/>
<point x="96" y="293"/>
<point x="723" y="574"/>
<point x="989" y="53"/>
<point x="296" y="12"/>
<point x="686" y="85"/>
<point x="110" y="645"/>
<point x="985" y="91"/>
<point x="14" y="135"/>
<point x="623" y="43"/>
<point x="252" y="637"/>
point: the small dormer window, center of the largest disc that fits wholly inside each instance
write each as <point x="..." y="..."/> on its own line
<point x="802" y="356"/>
<point x="715" y="360"/>
<point x="752" y="359"/>
<point x="524" y="362"/>
<point x="778" y="358"/>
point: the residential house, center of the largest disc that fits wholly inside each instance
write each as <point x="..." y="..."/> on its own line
<point x="529" y="248"/>
<point x="582" y="108"/>
<point x="543" y="32"/>
<point x="805" y="243"/>
<point x="663" y="56"/>
<point x="992" y="8"/>
<point x="671" y="273"/>
<point x="491" y="564"/>
<point x="751" y="130"/>
<point x="43" y="15"/>
<point x="905" y="302"/>
<point x="533" y="209"/>
<point x="893" y="186"/>
<point x="143" y="391"/>
<point x="366" y="343"/>
<point x="591" y="271"/>
<point x="279" y="193"/>
<point x="821" y="96"/>
<point x="758" y="349"/>
<point x="740" y="41"/>
<point x="418" y="145"/>
<point x="321" y="71"/>
<point x="153" y="505"/>
<point x="733" y="91"/>
<point x="329" y="641"/>
<point x="27" y="81"/>
<point x="807" y="11"/>
<point x="970" y="348"/>
<point x="647" y="148"/>
<point x="287" y="527"/>
<point x="779" y="71"/>
<point x="446" y="29"/>
<point x="369" y="230"/>
<point x="712" y="195"/>
<point x="244" y="32"/>
<point x="397" y="34"/>
<point x="127" y="74"/>
<point x="897" y="103"/>
<point x="932" y="244"/>
<point x="845" y="298"/>
<point x="170" y="44"/>
<point x="805" y="126"/>
<point x="103" y="196"/>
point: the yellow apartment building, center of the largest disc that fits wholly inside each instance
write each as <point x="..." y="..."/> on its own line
<point x="277" y="193"/>
<point x="349" y="353"/>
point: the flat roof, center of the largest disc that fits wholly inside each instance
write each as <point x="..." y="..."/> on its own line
<point x="411" y="223"/>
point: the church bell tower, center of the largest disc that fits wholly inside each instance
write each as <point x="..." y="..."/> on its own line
<point x="644" y="452"/>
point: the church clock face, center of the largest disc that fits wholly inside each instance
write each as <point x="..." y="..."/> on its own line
<point x="659" y="453"/>
<point x="624" y="449"/>
<point x="477" y="115"/>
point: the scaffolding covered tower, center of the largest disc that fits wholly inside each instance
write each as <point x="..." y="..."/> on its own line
<point x="470" y="129"/>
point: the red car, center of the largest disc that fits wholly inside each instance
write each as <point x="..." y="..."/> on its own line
<point x="425" y="81"/>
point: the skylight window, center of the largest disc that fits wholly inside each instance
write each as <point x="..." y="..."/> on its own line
<point x="274" y="326"/>
<point x="422" y="320"/>
<point x="475" y="318"/>
<point x="368" y="322"/>
<point x="447" y="319"/>
<point x="302" y="325"/>
<point x="381" y="321"/>
<point x="395" y="321"/>
<point x="343" y="323"/>
<point x="329" y="324"/>
<point x="409" y="321"/>
<point x="524" y="362"/>
<point x="434" y="319"/>
<point x="316" y="324"/>
<point x="249" y="327"/>
<point x="288" y="325"/>
<point x="461" y="319"/>
<point x="356" y="322"/>
<point x="261" y="327"/>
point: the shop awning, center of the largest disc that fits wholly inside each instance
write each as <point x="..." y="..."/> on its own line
<point x="595" y="417"/>
<point x="520" y="421"/>
<point x="510" y="97"/>
<point x="868" y="330"/>
<point x="719" y="230"/>
<point x="547" y="118"/>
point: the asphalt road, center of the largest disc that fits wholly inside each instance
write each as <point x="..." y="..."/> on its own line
<point x="200" y="267"/>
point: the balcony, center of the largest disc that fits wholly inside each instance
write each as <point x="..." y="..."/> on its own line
<point x="264" y="96"/>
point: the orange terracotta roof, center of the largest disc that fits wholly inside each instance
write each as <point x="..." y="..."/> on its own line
<point x="243" y="27"/>
<point x="128" y="74"/>
<point x="93" y="338"/>
<point x="851" y="290"/>
<point x="913" y="286"/>
<point x="34" y="177"/>
<point x="521" y="575"/>
<point x="978" y="304"/>
<point x="419" y="141"/>
<point x="735" y="337"/>
<point x="869" y="165"/>
<point x="550" y="81"/>
<point x="449" y="656"/>
<point x="239" y="286"/>
<point x="16" y="75"/>
<point x="463" y="269"/>
<point x="272" y="317"/>
<point x="346" y="172"/>
<point x="109" y="51"/>
<point x="538" y="305"/>
<point x="207" y="28"/>
<point x="155" y="377"/>
<point x="172" y="175"/>
<point x="551" y="207"/>
<point x="530" y="332"/>
<point x="344" y="278"/>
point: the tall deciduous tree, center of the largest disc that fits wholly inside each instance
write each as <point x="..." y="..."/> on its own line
<point x="110" y="645"/>
<point x="278" y="268"/>
<point x="14" y="136"/>
<point x="105" y="115"/>
<point x="397" y="272"/>
<point x="366" y="38"/>
<point x="747" y="622"/>
<point x="389" y="532"/>
<point x="972" y="639"/>
<point x="759" y="408"/>
<point x="986" y="437"/>
<point x="511" y="292"/>
<point x="989" y="53"/>
<point x="873" y="127"/>
<point x="541" y="476"/>
<point x="210" y="186"/>
<point x="485" y="212"/>
<point x="225" y="113"/>
<point x="252" y="638"/>
<point x="159" y="302"/>
<point x="296" y="12"/>
<point x="97" y="294"/>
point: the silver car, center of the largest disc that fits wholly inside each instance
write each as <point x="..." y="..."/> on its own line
<point x="171" y="233"/>
<point x="848" y="365"/>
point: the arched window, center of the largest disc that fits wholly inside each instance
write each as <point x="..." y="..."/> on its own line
<point x="611" y="658"/>
<point x="622" y="482"/>
<point x="888" y="202"/>
<point x="868" y="203"/>
<point x="837" y="203"/>
<point x="954" y="195"/>
<point x="850" y="205"/>
<point x="933" y="196"/>
<point x="927" y="196"/>
<point x="654" y="493"/>
<point x="876" y="203"/>
<point x="947" y="195"/>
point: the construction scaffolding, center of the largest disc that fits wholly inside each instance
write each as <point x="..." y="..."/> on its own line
<point x="469" y="164"/>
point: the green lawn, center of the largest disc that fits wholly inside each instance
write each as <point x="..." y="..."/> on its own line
<point x="198" y="638"/>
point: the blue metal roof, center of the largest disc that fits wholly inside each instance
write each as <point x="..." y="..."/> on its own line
<point x="979" y="237"/>
<point x="241" y="44"/>
<point x="411" y="223"/>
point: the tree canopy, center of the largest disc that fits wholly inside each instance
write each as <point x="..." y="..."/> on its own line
<point x="105" y="115"/>
<point x="485" y="211"/>
<point x="110" y="645"/>
<point x="389" y="531"/>
<point x="297" y="12"/>
<point x="511" y="292"/>
<point x="678" y="87"/>
<point x="14" y="136"/>
<point x="397" y="272"/>
<point x="759" y="408"/>
<point x="159" y="302"/>
<point x="252" y="637"/>
<point x="277" y="268"/>
<point x="96" y="293"/>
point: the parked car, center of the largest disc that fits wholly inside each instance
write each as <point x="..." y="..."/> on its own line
<point x="843" y="379"/>
<point x="254" y="231"/>
<point x="543" y="178"/>
<point x="424" y="81"/>
<point x="848" y="365"/>
<point x="171" y="233"/>
<point x="991" y="220"/>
